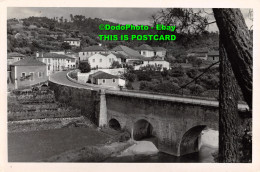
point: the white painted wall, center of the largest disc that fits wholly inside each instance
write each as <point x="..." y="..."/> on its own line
<point x="147" y="53"/>
<point x="101" y="61"/>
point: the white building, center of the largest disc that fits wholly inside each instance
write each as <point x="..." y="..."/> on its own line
<point x="101" y="60"/>
<point x="56" y="62"/>
<point x="155" y="61"/>
<point x="86" y="52"/>
<point x="129" y="54"/>
<point x="146" y="50"/>
<point x="73" y="41"/>
<point x="106" y="79"/>
<point x="14" y="57"/>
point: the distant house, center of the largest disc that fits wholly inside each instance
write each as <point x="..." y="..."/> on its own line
<point x="130" y="54"/>
<point x="14" y="57"/>
<point x="86" y="52"/>
<point x="213" y="56"/>
<point x="73" y="41"/>
<point x="56" y="62"/>
<point x="155" y="61"/>
<point x="146" y="50"/>
<point x="200" y="54"/>
<point x="27" y="72"/>
<point x="160" y="51"/>
<point x="103" y="78"/>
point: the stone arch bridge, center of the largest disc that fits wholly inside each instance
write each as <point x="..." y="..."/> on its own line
<point x="175" y="122"/>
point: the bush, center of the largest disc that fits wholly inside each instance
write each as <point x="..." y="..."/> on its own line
<point x="192" y="73"/>
<point x="130" y="77"/>
<point x="129" y="86"/>
<point x="84" y="67"/>
<point x="196" y="89"/>
<point x="177" y="72"/>
<point x="115" y="65"/>
<point x="144" y="76"/>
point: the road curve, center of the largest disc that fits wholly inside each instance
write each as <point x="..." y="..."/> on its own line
<point x="61" y="78"/>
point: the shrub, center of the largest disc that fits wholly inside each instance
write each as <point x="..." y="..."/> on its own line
<point x="144" y="76"/>
<point x="196" y="89"/>
<point x="84" y="67"/>
<point x="130" y="77"/>
<point x="129" y="86"/>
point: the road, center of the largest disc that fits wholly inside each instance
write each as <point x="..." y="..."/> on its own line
<point x="61" y="78"/>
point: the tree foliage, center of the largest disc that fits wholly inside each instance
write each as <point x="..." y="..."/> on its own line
<point x="84" y="67"/>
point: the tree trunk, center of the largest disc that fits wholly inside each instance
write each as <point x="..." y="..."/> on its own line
<point x="238" y="46"/>
<point x="229" y="120"/>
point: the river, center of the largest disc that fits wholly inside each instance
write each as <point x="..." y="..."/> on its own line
<point x="209" y="141"/>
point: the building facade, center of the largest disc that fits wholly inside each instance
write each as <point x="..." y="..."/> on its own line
<point x="73" y="41"/>
<point x="14" y="57"/>
<point x="56" y="62"/>
<point x="105" y="79"/>
<point x="27" y="72"/>
<point x="86" y="52"/>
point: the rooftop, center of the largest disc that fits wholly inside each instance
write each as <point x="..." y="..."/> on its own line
<point x="103" y="75"/>
<point x="28" y="62"/>
<point x="55" y="55"/>
<point x="71" y="39"/>
<point x="93" y="48"/>
<point x="15" y="54"/>
<point x="130" y="53"/>
<point x="159" y="49"/>
<point x="145" y="47"/>
<point x="213" y="53"/>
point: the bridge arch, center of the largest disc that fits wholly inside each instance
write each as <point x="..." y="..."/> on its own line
<point x="190" y="141"/>
<point x="114" y="124"/>
<point x="143" y="129"/>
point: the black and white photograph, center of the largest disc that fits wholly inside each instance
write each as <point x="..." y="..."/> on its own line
<point x="129" y="85"/>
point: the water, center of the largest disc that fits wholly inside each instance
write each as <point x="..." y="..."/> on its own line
<point x="209" y="141"/>
<point x="204" y="155"/>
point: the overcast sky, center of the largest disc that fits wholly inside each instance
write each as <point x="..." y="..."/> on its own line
<point x="117" y="15"/>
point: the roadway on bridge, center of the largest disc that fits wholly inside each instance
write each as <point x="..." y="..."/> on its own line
<point x="61" y="78"/>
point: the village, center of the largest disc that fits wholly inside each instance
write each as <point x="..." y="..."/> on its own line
<point x="106" y="66"/>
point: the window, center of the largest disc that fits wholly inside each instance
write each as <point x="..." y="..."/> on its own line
<point x="31" y="76"/>
<point x="49" y="67"/>
<point x="23" y="74"/>
<point x="104" y="81"/>
<point x="39" y="74"/>
<point x="100" y="60"/>
<point x="114" y="80"/>
<point x="93" y="60"/>
<point x="83" y="53"/>
<point x="143" y="52"/>
<point x="49" y="60"/>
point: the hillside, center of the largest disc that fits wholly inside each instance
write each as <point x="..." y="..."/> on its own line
<point x="44" y="34"/>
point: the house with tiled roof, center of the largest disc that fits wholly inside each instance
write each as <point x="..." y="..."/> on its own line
<point x="86" y="52"/>
<point x="101" y="60"/>
<point x="156" y="61"/>
<point x="56" y="62"/>
<point x="27" y="72"/>
<point x="198" y="53"/>
<point x="73" y="41"/>
<point x="148" y="51"/>
<point x="14" y="57"/>
<point x="160" y="51"/>
<point x="130" y="54"/>
<point x="106" y="79"/>
<point x="213" y="56"/>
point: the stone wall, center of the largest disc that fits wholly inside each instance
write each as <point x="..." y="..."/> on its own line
<point x="88" y="101"/>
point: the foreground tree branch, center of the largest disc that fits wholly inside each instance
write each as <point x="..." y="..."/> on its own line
<point x="238" y="45"/>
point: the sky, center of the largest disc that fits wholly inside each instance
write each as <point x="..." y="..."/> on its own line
<point x="134" y="16"/>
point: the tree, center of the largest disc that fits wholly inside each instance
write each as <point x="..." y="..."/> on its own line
<point x="65" y="46"/>
<point x="236" y="56"/>
<point x="238" y="45"/>
<point x="115" y="64"/>
<point x="84" y="67"/>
